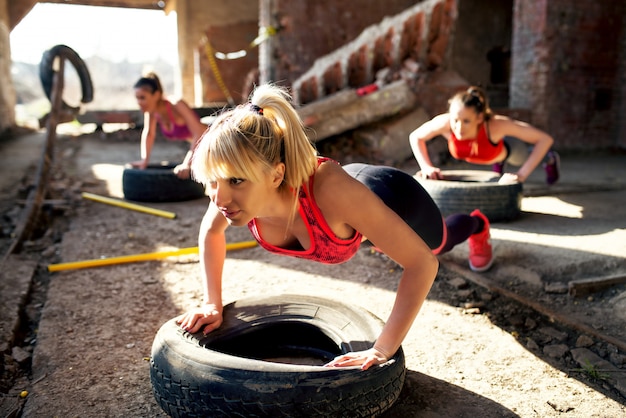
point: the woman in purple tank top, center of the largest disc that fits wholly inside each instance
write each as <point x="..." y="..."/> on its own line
<point x="178" y="122"/>
<point x="261" y="171"/>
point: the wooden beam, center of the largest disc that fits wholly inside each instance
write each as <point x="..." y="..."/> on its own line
<point x="584" y="287"/>
<point x="135" y="117"/>
<point x="127" y="4"/>
<point x="347" y="110"/>
<point x="17" y="10"/>
<point x="100" y="117"/>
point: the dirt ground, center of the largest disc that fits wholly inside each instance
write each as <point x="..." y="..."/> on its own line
<point x="83" y="342"/>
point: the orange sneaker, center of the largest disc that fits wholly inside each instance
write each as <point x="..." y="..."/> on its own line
<point x="480" y="254"/>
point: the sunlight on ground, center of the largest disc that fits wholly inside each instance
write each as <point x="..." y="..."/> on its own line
<point x="552" y="206"/>
<point x="77" y="128"/>
<point x="111" y="174"/>
<point x="611" y="243"/>
<point x="592" y="236"/>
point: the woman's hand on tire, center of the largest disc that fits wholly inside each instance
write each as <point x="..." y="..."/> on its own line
<point x="207" y="316"/>
<point x="140" y="164"/>
<point x="182" y="171"/>
<point x="365" y="359"/>
<point x="432" y="173"/>
<point x="509" y="178"/>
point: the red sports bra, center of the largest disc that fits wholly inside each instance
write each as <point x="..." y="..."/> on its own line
<point x="479" y="150"/>
<point x="176" y="132"/>
<point x="326" y="247"/>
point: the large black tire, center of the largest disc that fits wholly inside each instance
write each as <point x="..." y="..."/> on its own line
<point x="266" y="360"/>
<point x="46" y="73"/>
<point x="462" y="191"/>
<point x="158" y="183"/>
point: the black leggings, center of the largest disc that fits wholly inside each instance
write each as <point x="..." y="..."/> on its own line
<point x="406" y="197"/>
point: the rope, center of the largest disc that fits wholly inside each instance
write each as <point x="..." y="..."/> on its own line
<point x="264" y="34"/>
<point x="216" y="72"/>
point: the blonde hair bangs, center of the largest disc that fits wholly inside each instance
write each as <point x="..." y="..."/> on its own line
<point x="225" y="152"/>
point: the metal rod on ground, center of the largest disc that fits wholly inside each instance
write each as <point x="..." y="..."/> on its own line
<point x="28" y="219"/>
<point x="538" y="307"/>
<point x="141" y="257"/>
<point x="126" y="205"/>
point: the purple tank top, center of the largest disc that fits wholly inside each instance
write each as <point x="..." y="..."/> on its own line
<point x="176" y="132"/>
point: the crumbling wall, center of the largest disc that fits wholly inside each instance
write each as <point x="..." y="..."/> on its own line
<point x="411" y="47"/>
<point x="311" y="29"/>
<point x="417" y="38"/>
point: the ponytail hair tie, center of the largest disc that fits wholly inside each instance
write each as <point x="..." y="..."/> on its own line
<point x="256" y="108"/>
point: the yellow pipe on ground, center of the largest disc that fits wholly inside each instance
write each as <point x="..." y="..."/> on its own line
<point x="127" y="205"/>
<point x="141" y="257"/>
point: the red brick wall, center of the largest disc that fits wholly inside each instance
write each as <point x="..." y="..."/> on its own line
<point x="566" y="69"/>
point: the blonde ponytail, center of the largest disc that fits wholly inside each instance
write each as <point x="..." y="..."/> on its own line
<point x="299" y="156"/>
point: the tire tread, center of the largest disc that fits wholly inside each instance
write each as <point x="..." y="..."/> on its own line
<point x="184" y="385"/>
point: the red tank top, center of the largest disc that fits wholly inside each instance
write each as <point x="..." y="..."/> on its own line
<point x="326" y="247"/>
<point x="479" y="150"/>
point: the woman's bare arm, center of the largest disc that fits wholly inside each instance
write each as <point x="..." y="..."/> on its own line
<point x="439" y="125"/>
<point x="212" y="251"/>
<point x="346" y="200"/>
<point x="502" y="126"/>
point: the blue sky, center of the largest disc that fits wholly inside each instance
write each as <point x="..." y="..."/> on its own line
<point x="116" y="34"/>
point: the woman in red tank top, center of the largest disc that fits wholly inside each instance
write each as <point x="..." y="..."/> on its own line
<point x="177" y="122"/>
<point x="261" y="171"/>
<point x="478" y="136"/>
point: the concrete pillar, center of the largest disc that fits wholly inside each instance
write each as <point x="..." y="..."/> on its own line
<point x="267" y="11"/>
<point x="7" y="91"/>
<point x="187" y="44"/>
<point x="621" y="91"/>
<point x="530" y="59"/>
